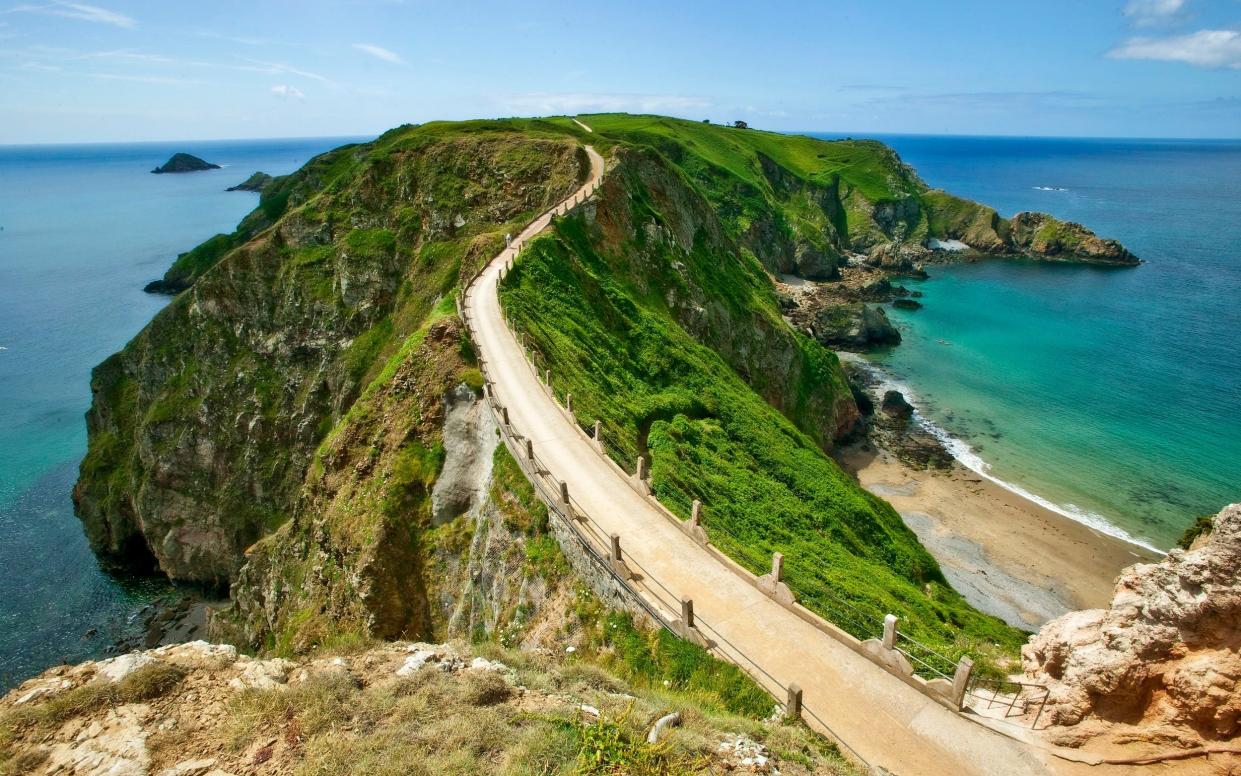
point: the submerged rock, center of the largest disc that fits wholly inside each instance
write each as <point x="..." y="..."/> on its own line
<point x="184" y="163"/>
<point x="1164" y="653"/>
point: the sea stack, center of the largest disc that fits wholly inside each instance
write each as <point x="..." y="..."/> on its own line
<point x="184" y="163"/>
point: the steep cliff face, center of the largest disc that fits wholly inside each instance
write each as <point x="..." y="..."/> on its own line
<point x="1165" y="654"/>
<point x="202" y="428"/>
<point x="659" y="234"/>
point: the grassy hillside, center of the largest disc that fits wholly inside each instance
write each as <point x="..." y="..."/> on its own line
<point x="602" y="297"/>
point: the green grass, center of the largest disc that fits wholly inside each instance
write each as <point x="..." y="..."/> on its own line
<point x="766" y="485"/>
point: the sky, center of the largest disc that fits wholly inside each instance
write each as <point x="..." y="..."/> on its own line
<point x="168" y="70"/>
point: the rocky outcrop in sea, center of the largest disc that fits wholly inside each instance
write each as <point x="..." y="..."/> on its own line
<point x="182" y="162"/>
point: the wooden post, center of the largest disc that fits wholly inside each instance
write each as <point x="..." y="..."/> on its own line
<point x="695" y="515"/>
<point x="504" y="414"/>
<point x="564" y="494"/>
<point x="616" y="550"/>
<point x="792" y="708"/>
<point x="889" y="631"/>
<point x="777" y="566"/>
<point x="530" y="451"/>
<point x="687" y="612"/>
<point x="961" y="681"/>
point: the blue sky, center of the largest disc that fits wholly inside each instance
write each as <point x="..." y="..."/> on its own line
<point x="171" y="70"/>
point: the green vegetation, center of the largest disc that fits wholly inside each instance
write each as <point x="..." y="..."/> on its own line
<point x="609" y="337"/>
<point x="1202" y="525"/>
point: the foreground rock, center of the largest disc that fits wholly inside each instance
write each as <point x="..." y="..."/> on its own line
<point x="202" y="709"/>
<point x="184" y="163"/>
<point x="1163" y="658"/>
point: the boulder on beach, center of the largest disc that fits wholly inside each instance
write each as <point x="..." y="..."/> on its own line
<point x="180" y="162"/>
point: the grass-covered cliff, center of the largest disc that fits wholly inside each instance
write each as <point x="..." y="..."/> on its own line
<point x="202" y="429"/>
<point x="300" y="421"/>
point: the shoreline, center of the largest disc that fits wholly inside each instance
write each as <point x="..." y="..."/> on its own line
<point x="1007" y="554"/>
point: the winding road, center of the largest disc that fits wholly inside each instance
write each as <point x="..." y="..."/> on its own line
<point x="886" y="722"/>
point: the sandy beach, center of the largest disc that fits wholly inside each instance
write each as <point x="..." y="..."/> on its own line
<point x="1007" y="555"/>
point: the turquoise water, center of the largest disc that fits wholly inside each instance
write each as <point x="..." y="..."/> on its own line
<point x="1114" y="394"/>
<point x="84" y="228"/>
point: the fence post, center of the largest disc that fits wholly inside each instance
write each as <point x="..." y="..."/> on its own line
<point x="616" y="550"/>
<point x="530" y="451"/>
<point x="641" y="467"/>
<point x="564" y="496"/>
<point x="695" y="514"/>
<point x="961" y="680"/>
<point x="889" y="631"/>
<point x="568" y="403"/>
<point x="792" y="708"/>
<point x="598" y="430"/>
<point x="504" y="414"/>
<point x="547" y="377"/>
<point x="687" y="612"/>
<point x="777" y="566"/>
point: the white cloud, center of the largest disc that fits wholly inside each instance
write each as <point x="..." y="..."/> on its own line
<point x="1204" y="48"/>
<point x="80" y="11"/>
<point x="286" y="92"/>
<point x="379" y="52"/>
<point x="145" y="79"/>
<point x="544" y="102"/>
<point x="278" y="68"/>
<point x="1149" y="12"/>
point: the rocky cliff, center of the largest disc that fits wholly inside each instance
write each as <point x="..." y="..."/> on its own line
<point x="202" y="429"/>
<point x="1164" y="656"/>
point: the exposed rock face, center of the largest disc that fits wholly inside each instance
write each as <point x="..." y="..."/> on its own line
<point x="184" y="163"/>
<point x="854" y="326"/>
<point x="1165" y="653"/>
<point x="1042" y="236"/>
<point x="256" y="182"/>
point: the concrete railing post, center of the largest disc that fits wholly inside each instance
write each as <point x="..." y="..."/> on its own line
<point x="777" y="566"/>
<point x="792" y="708"/>
<point x="615" y="548"/>
<point x="547" y="377"/>
<point x="598" y="431"/>
<point x="961" y="681"/>
<point x="889" y="631"/>
<point x="504" y="415"/>
<point x="568" y="403"/>
<point x="695" y="514"/>
<point x="641" y="474"/>
<point x="687" y="612"/>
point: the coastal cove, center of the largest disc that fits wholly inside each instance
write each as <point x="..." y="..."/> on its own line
<point x="85" y="227"/>
<point x="1109" y="395"/>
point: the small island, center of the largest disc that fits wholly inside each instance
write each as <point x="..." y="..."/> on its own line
<point x="256" y="182"/>
<point x="184" y="163"/>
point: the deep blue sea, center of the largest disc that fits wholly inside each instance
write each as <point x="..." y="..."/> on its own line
<point x="1112" y="394"/>
<point x="84" y="227"/>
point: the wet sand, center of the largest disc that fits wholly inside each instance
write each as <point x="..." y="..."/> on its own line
<point x="1007" y="555"/>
